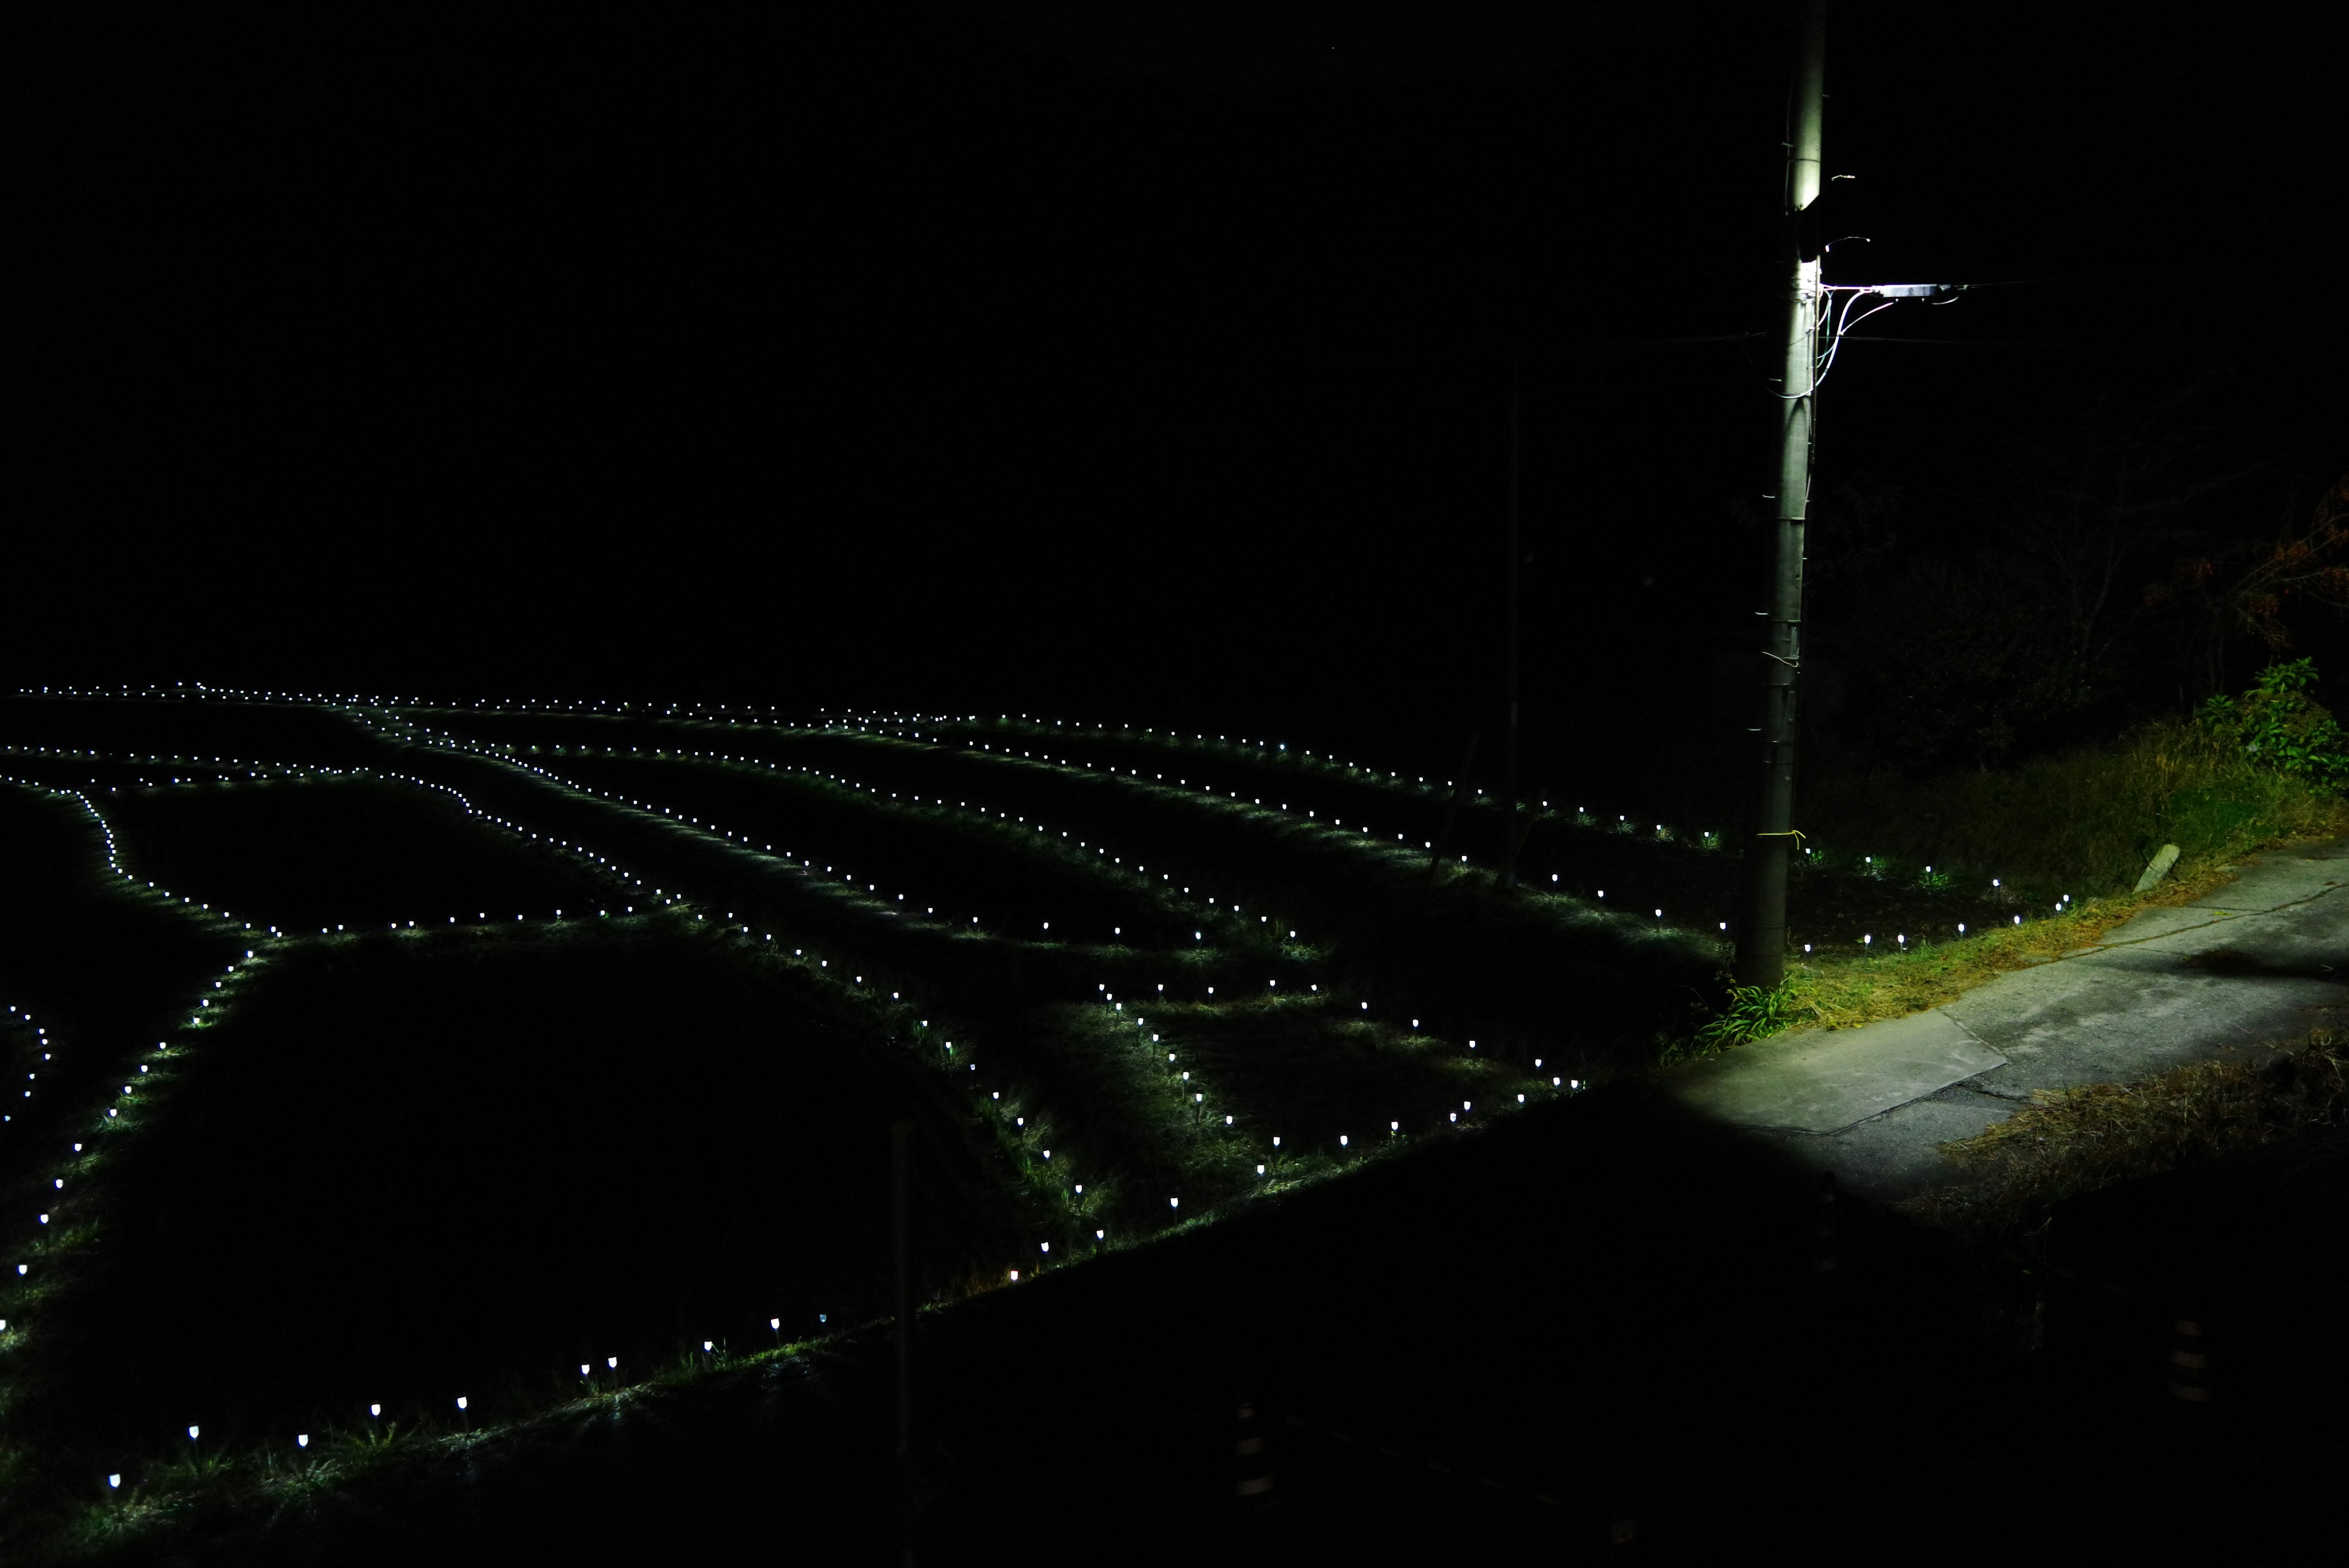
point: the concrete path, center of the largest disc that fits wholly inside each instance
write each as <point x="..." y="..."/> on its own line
<point x="2261" y="959"/>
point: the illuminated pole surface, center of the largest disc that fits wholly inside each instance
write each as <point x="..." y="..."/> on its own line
<point x="1762" y="946"/>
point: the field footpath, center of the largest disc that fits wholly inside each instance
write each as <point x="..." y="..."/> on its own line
<point x="2260" y="960"/>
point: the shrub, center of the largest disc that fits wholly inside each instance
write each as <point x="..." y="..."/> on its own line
<point x="2278" y="725"/>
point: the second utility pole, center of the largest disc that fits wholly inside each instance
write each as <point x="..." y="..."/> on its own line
<point x="1762" y="932"/>
<point x="1509" y="755"/>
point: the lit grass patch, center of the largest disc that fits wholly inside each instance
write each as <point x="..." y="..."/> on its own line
<point x="1843" y="992"/>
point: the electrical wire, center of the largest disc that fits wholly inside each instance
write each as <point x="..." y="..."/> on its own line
<point x="1666" y="342"/>
<point x="1843" y="325"/>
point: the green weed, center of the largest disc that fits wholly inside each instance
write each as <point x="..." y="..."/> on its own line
<point x="2277" y="725"/>
<point x="1755" y="1012"/>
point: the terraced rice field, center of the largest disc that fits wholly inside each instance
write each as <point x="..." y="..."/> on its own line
<point x="375" y="1056"/>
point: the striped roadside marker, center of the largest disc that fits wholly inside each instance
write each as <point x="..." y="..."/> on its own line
<point x="1253" y="1464"/>
<point x="1823" y="1241"/>
<point x="2190" y="1363"/>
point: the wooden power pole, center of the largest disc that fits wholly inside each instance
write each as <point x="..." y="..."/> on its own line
<point x="1761" y="930"/>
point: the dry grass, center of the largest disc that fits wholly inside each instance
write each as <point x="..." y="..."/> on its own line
<point x="2091" y="1138"/>
<point x="1843" y="993"/>
<point x="2082" y="822"/>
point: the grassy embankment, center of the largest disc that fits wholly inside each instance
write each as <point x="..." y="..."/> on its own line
<point x="2073" y="830"/>
<point x="2083" y="824"/>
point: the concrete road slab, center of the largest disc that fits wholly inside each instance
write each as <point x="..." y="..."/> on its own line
<point x="2251" y="966"/>
<point x="1896" y="1154"/>
<point x="2119" y="1016"/>
<point x="1823" y="1080"/>
<point x="2271" y="880"/>
<point x="2155" y="923"/>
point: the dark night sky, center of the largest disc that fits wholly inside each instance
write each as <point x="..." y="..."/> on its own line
<point x="1146" y="361"/>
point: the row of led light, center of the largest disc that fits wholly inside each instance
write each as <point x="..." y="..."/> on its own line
<point x="1019" y="1122"/>
<point x="40" y="1039"/>
<point x="1390" y="780"/>
<point x="106" y="831"/>
<point x="1310" y="817"/>
<point x="249" y="764"/>
<point x="1310" y="814"/>
<point x="1110" y="999"/>
<point x="1128" y="732"/>
<point x="729" y="758"/>
<point x="114" y="860"/>
<point x="1372" y="773"/>
<point x="223" y="916"/>
<point x="198" y="690"/>
<point x="725" y="757"/>
<point x="195" y="1020"/>
<point x="687" y="819"/>
<point x="114" y="863"/>
<point x="995" y="1101"/>
<point x="533" y="836"/>
<point x="32" y="1076"/>
<point x="23" y="1016"/>
<point x="1582" y="815"/>
<point x="742" y="841"/>
<point x="865" y="727"/>
<point x="1199" y="1098"/>
<point x="1867" y="939"/>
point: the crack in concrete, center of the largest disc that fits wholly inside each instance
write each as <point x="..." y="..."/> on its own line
<point x="2221" y="918"/>
<point x="1975" y="1086"/>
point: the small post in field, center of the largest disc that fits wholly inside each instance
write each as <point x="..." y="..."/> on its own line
<point x="900" y="1140"/>
<point x="1822" y="1243"/>
<point x="1451" y="812"/>
<point x="1252" y="1488"/>
<point x="2189" y="1359"/>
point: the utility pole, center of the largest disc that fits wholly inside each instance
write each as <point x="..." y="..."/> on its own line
<point x="1509" y="747"/>
<point x="1762" y="933"/>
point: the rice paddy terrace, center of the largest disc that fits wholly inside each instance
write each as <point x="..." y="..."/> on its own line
<point x="478" y="1058"/>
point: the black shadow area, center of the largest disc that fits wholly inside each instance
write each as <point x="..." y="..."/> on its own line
<point x="403" y="1169"/>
